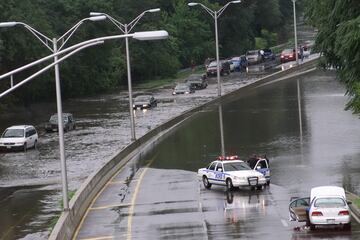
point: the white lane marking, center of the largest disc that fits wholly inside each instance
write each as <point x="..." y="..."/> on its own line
<point x="284" y="223"/>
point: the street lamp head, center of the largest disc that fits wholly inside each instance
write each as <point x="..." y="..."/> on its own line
<point x="97" y="18"/>
<point x="191" y="4"/>
<point x="238" y="1"/>
<point x="8" y="24"/>
<point x="153" y="10"/>
<point x="96" y="14"/>
<point x="151" y="35"/>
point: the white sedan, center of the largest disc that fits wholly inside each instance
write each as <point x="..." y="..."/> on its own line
<point x="231" y="172"/>
<point x="327" y="205"/>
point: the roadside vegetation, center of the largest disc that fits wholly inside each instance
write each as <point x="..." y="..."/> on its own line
<point x="338" y="38"/>
<point x="248" y="25"/>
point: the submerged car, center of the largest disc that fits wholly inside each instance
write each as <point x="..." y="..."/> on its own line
<point x="287" y="55"/>
<point x="268" y="54"/>
<point x="144" y="101"/>
<point x="327" y="205"/>
<point x="68" y="123"/>
<point x="224" y="68"/>
<point x="197" y="81"/>
<point x="240" y="63"/>
<point x="19" y="137"/>
<point x="253" y="57"/>
<point x="231" y="172"/>
<point x="183" y="88"/>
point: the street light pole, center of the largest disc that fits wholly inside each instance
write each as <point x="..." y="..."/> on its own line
<point x="217" y="54"/>
<point x="215" y="15"/>
<point x="126" y="29"/>
<point x="60" y="129"/>
<point x="295" y="33"/>
<point x="46" y="41"/>
<point x="132" y="119"/>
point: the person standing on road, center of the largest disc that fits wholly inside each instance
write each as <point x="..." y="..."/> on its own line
<point x="302" y="53"/>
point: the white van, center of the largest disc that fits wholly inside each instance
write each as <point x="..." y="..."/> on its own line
<point x="19" y="137"/>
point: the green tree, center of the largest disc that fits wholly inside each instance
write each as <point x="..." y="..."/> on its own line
<point x="338" y="40"/>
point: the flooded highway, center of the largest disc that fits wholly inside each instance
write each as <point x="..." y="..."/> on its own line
<point x="160" y="197"/>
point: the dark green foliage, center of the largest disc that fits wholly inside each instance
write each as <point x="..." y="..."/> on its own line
<point x="338" y="39"/>
<point x="102" y="68"/>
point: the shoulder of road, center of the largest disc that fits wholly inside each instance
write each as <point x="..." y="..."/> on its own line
<point x="355" y="204"/>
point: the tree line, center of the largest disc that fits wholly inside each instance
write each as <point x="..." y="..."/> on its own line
<point x="98" y="69"/>
<point x="338" y="39"/>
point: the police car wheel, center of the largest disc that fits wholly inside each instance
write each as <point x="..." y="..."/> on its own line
<point x="229" y="185"/>
<point x="206" y="182"/>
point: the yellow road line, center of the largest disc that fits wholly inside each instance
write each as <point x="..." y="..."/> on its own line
<point x="99" y="238"/>
<point x="110" y="206"/>
<point x="92" y="204"/>
<point x="97" y="196"/>
<point x="133" y="200"/>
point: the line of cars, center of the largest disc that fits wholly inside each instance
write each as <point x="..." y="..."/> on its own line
<point x="24" y="137"/>
<point x="190" y="84"/>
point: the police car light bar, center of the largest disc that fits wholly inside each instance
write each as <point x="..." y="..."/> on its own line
<point x="234" y="157"/>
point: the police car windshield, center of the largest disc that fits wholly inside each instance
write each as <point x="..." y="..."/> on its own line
<point x="236" y="166"/>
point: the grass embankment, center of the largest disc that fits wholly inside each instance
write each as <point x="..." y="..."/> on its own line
<point x="156" y="83"/>
<point x="356" y="202"/>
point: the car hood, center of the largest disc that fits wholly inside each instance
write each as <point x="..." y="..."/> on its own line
<point x="245" y="173"/>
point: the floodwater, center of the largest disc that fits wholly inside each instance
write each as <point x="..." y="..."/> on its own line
<point x="261" y="120"/>
<point x="165" y="200"/>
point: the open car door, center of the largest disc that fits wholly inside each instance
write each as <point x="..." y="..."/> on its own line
<point x="297" y="209"/>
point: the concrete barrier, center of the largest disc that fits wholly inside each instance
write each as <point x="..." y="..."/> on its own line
<point x="69" y="220"/>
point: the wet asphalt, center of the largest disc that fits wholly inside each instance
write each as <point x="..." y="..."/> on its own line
<point x="160" y="197"/>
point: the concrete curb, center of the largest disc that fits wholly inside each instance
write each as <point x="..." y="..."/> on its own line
<point x="69" y="220"/>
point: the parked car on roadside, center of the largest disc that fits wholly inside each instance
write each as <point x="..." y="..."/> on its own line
<point x="68" y="123"/>
<point x="182" y="88"/>
<point x="253" y="57"/>
<point x="19" y="137"/>
<point x="268" y="54"/>
<point x="144" y="101"/>
<point x="197" y="81"/>
<point x="327" y="205"/>
<point x="224" y="68"/>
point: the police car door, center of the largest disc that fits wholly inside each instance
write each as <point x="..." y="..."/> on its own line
<point x="211" y="173"/>
<point x="219" y="174"/>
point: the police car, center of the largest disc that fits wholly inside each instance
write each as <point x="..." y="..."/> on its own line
<point x="231" y="172"/>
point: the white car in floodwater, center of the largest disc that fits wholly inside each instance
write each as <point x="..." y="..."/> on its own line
<point x="231" y="172"/>
<point x="19" y="138"/>
<point x="327" y="205"/>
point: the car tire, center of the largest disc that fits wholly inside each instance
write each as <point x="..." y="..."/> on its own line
<point x="25" y="147"/>
<point x="229" y="185"/>
<point x="206" y="183"/>
<point x="35" y="144"/>
<point x="268" y="183"/>
<point x="258" y="187"/>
